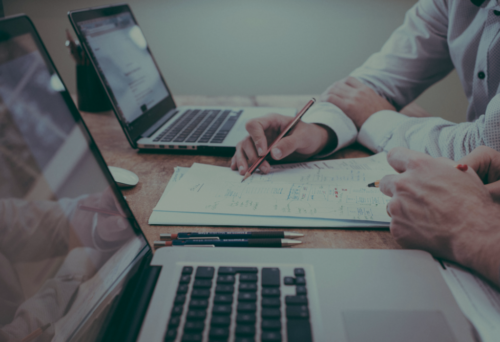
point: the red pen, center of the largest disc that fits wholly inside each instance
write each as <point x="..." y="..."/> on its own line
<point x="285" y="131"/>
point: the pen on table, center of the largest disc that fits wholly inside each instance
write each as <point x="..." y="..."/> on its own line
<point x="285" y="132"/>
<point x="35" y="333"/>
<point x="231" y="235"/>
<point x="100" y="211"/>
<point x="461" y="167"/>
<point x="75" y="49"/>
<point x="228" y="243"/>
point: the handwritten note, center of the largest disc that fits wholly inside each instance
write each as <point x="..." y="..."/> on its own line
<point x="331" y="190"/>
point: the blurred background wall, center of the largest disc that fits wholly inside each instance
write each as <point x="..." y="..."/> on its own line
<point x="251" y="47"/>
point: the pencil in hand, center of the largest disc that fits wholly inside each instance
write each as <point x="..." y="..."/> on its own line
<point x="277" y="140"/>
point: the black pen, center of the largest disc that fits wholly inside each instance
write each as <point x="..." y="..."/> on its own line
<point x="231" y="235"/>
<point x="229" y="243"/>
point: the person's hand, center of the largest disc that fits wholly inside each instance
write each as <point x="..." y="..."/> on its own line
<point x="445" y="211"/>
<point x="302" y="142"/>
<point x="486" y="162"/>
<point x="355" y="99"/>
<point x="108" y="228"/>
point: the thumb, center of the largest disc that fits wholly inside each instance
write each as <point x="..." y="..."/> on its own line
<point x="285" y="147"/>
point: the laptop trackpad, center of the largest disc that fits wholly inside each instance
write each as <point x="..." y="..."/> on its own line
<point x="396" y="326"/>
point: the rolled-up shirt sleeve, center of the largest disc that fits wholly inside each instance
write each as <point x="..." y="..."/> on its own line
<point x="329" y="115"/>
<point x="415" y="56"/>
<point x="435" y="136"/>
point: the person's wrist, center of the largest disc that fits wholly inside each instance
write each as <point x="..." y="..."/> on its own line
<point x="479" y="250"/>
<point x="328" y="139"/>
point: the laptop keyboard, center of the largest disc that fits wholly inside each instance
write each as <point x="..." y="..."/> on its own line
<point x="241" y="304"/>
<point x="202" y="126"/>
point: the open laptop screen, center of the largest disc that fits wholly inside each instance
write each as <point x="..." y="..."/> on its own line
<point x="122" y="55"/>
<point x="118" y="50"/>
<point x="67" y="237"/>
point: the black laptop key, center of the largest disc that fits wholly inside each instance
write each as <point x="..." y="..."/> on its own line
<point x="248" y="278"/>
<point x="196" y="315"/>
<point x="179" y="299"/>
<point x="246" y="307"/>
<point x="225" y="279"/>
<point x="271" y="336"/>
<point x="245" y="318"/>
<point x="204" y="273"/>
<point x="227" y="270"/>
<point x="220" y="321"/>
<point x="174" y="322"/>
<point x="245" y="330"/>
<point x="300" y="281"/>
<point x="296" y="300"/>
<point x="200" y="293"/>
<point x="248" y="287"/>
<point x="202" y="284"/>
<point x="271" y="324"/>
<point x="224" y="289"/>
<point x="194" y="326"/>
<point x="219" y="333"/>
<point x="297" y="311"/>
<point x="221" y="310"/>
<point x="183" y="288"/>
<point x="270" y="277"/>
<point x="223" y="299"/>
<point x="187" y="270"/>
<point x="271" y="292"/>
<point x="198" y="304"/>
<point x="185" y="279"/>
<point x="192" y="338"/>
<point x="247" y="269"/>
<point x="270" y="313"/>
<point x="170" y="335"/>
<point x="300" y="290"/>
<point x="299" y="330"/>
<point x="177" y="310"/>
<point x="247" y="297"/>
<point x="289" y="281"/>
<point x="271" y="302"/>
<point x="299" y="272"/>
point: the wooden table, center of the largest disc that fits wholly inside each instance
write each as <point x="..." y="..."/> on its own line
<point x="155" y="169"/>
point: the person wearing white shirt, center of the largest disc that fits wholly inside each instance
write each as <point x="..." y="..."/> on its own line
<point x="436" y="37"/>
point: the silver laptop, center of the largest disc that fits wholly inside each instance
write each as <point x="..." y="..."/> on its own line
<point x="140" y="97"/>
<point x="75" y="265"/>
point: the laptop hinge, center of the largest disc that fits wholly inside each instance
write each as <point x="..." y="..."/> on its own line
<point x="151" y="130"/>
<point x="133" y="304"/>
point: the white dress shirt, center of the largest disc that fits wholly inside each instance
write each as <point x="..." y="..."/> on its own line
<point x="436" y="37"/>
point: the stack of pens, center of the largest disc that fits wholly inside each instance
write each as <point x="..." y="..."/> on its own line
<point x="229" y="239"/>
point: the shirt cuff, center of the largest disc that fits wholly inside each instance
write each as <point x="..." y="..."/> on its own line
<point x="378" y="129"/>
<point x="326" y="113"/>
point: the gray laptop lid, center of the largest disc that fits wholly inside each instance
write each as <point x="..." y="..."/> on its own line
<point x="67" y="237"/>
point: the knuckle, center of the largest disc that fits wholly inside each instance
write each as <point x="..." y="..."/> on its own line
<point x="400" y="185"/>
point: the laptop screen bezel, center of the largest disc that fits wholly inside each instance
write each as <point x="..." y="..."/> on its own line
<point x="21" y="24"/>
<point x="138" y="127"/>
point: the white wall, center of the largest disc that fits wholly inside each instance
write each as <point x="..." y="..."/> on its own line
<point x="251" y="47"/>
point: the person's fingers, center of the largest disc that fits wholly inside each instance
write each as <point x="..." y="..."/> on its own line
<point x="249" y="152"/>
<point x="354" y="82"/>
<point x="388" y="184"/>
<point x="258" y="128"/>
<point x="233" y="163"/>
<point x="240" y="159"/>
<point x="337" y="100"/>
<point x="402" y="159"/>
<point x="112" y="228"/>
<point x="494" y="190"/>
<point x="485" y="161"/>
<point x="285" y="146"/>
<point x="343" y="90"/>
<point x="265" y="167"/>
